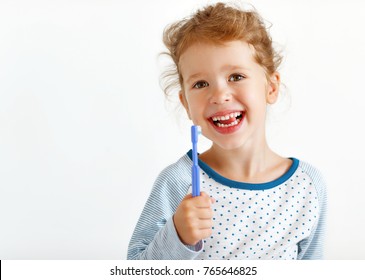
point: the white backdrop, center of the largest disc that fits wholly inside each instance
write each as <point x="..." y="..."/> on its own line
<point x="85" y="129"/>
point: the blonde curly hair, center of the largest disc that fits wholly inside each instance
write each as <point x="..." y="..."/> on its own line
<point x="217" y="24"/>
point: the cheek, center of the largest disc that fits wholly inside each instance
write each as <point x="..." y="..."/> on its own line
<point x="258" y="96"/>
<point x="254" y="99"/>
<point x="255" y="103"/>
<point x="193" y="101"/>
<point x="195" y="110"/>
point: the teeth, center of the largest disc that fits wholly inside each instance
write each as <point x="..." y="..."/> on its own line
<point x="226" y="117"/>
<point x="228" y="125"/>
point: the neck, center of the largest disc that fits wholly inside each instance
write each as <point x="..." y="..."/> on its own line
<point x="249" y="163"/>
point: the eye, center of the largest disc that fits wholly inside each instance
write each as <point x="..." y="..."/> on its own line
<point x="200" y="84"/>
<point x="235" y="78"/>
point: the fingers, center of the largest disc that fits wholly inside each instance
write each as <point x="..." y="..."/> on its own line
<point x="205" y="195"/>
<point x="204" y="213"/>
<point x="205" y="224"/>
<point x="204" y="200"/>
<point x="193" y="218"/>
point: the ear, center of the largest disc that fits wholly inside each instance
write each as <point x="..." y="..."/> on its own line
<point x="184" y="102"/>
<point x="273" y="88"/>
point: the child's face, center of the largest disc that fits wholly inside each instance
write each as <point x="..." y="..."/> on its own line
<point x="226" y="92"/>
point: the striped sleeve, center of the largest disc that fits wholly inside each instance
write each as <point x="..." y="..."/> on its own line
<point x="155" y="237"/>
<point x="311" y="248"/>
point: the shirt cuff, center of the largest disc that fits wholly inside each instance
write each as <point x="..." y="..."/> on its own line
<point x="184" y="251"/>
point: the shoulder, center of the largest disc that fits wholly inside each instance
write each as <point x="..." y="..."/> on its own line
<point x="178" y="171"/>
<point x="315" y="178"/>
<point x="312" y="172"/>
<point x="175" y="179"/>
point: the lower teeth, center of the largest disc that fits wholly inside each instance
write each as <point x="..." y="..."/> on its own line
<point x="228" y="125"/>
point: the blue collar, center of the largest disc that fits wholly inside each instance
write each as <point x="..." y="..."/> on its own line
<point x="247" y="186"/>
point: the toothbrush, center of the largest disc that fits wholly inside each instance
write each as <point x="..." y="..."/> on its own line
<point x="195" y="131"/>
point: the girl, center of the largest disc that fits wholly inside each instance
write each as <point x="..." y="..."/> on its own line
<point x="254" y="203"/>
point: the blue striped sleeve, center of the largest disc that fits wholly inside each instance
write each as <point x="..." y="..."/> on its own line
<point x="311" y="248"/>
<point x="155" y="236"/>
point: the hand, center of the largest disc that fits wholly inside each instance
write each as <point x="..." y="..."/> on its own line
<point x="193" y="218"/>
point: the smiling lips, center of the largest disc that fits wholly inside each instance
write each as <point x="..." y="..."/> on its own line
<point x="227" y="122"/>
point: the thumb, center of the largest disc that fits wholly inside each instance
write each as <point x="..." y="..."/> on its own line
<point x="204" y="194"/>
<point x="188" y="196"/>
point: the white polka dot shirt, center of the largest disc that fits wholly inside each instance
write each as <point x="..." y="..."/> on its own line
<point x="282" y="219"/>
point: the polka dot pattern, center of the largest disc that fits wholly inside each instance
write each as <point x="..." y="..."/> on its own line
<point x="260" y="224"/>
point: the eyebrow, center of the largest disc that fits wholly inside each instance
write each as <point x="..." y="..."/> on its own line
<point x="226" y="67"/>
<point x="235" y="67"/>
<point x="191" y="77"/>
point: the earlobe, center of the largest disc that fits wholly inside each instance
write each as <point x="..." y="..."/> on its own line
<point x="273" y="89"/>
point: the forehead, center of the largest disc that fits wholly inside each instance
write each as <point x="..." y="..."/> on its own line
<point x="213" y="56"/>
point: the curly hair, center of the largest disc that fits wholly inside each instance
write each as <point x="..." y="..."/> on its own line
<point x="217" y="24"/>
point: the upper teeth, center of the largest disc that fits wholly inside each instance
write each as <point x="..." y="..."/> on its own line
<point x="226" y="117"/>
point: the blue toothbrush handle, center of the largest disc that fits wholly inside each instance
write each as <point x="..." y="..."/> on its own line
<point x="195" y="131"/>
<point x="196" y="181"/>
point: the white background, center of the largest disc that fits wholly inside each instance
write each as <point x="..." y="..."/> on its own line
<point x="85" y="128"/>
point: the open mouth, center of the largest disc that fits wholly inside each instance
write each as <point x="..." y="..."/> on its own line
<point x="227" y="120"/>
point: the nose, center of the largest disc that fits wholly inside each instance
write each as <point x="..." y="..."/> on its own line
<point x="220" y="94"/>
